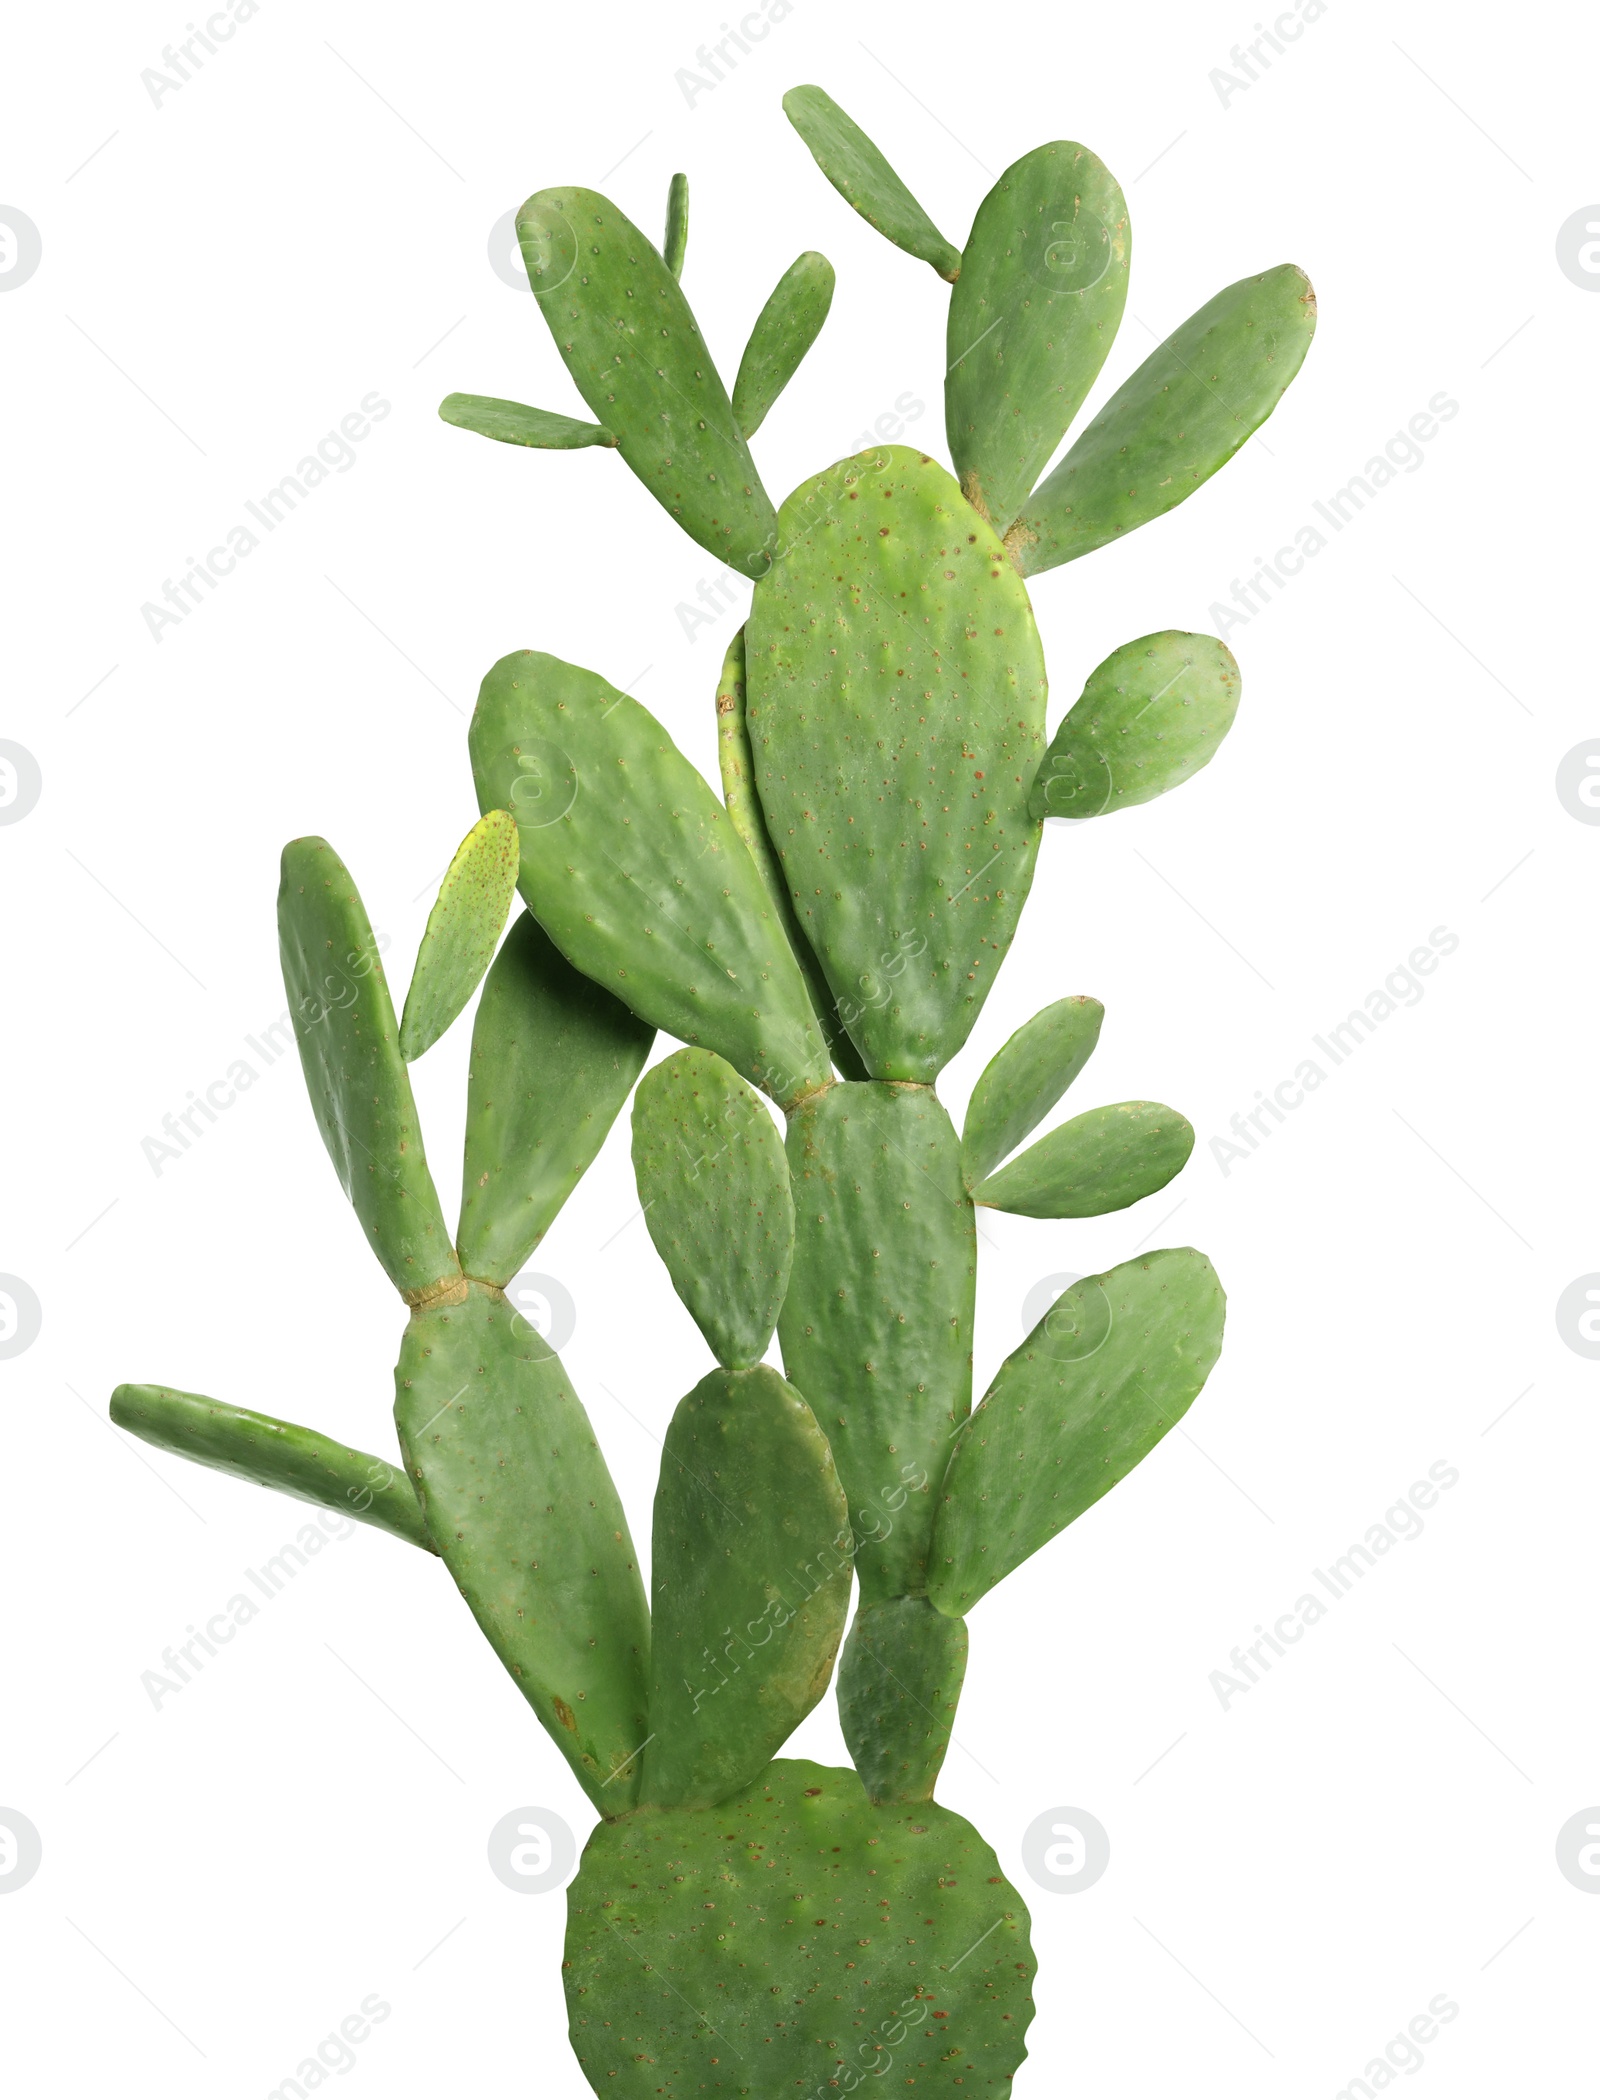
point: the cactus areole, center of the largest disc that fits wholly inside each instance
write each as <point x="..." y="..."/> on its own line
<point x="819" y="939"/>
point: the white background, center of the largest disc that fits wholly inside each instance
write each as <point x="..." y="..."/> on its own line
<point x="305" y="222"/>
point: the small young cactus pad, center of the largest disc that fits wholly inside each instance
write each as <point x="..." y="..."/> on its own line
<point x="864" y="179"/>
<point x="631" y="865"/>
<point x="1043" y="279"/>
<point x="636" y="355"/>
<point x="1151" y="715"/>
<point x="350" y="1053"/>
<point x="749" y="1581"/>
<point x="1184" y="413"/>
<point x="714" y="1189"/>
<point x="463" y="931"/>
<point x="274" y="1454"/>
<point x="554" y="1057"/>
<point x="1111" y="1367"/>
<point x="520" y="1505"/>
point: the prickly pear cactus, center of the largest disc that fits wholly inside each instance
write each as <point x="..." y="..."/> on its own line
<point x="820" y="940"/>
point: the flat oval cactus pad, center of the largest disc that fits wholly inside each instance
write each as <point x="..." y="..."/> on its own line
<point x="895" y="698"/>
<point x="796" y="1940"/>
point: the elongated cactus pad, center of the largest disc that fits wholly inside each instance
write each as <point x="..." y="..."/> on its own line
<point x="796" y="1940"/>
<point x="1100" y="1161"/>
<point x="1182" y="415"/>
<point x="864" y="179"/>
<point x="1044" y="276"/>
<point x="463" y="928"/>
<point x="274" y="1454"/>
<point x="350" y="1053"/>
<point x="554" y="1057"/>
<point x="1151" y="715"/>
<point x="636" y="355"/>
<point x="675" y="240"/>
<point x="1113" y="1365"/>
<point x="514" y="423"/>
<point x="896" y="696"/>
<point x="877" y="1325"/>
<point x="749" y="1583"/>
<point x="519" y="1502"/>
<point x="714" y="1188"/>
<point x="1024" y="1080"/>
<point x="631" y="865"/>
<point x="785" y="329"/>
<point x="745" y="814"/>
<point x="899" y="1683"/>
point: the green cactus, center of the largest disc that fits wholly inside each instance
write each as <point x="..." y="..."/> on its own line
<point x="824" y="935"/>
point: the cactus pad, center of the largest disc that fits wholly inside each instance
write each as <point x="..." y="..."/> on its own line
<point x="1113" y="1365"/>
<point x="745" y="813"/>
<point x="796" y="1940"/>
<point x="896" y="709"/>
<point x="750" y="1584"/>
<point x="514" y="423"/>
<point x="1100" y="1161"/>
<point x="675" y="239"/>
<point x="1024" y="1080"/>
<point x="350" y="1053"/>
<point x="274" y="1454"/>
<point x="877" y="1326"/>
<point x="554" y="1057"/>
<point x="785" y="329"/>
<point x="714" y="1187"/>
<point x="463" y="928"/>
<point x="899" y="1683"/>
<point x="1151" y="715"/>
<point x="631" y="865"/>
<point x="1043" y="279"/>
<point x="865" y="180"/>
<point x="520" y="1504"/>
<point x="1182" y="415"/>
<point x="636" y="355"/>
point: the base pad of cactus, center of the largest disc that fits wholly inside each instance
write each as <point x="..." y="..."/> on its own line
<point x="795" y="1939"/>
